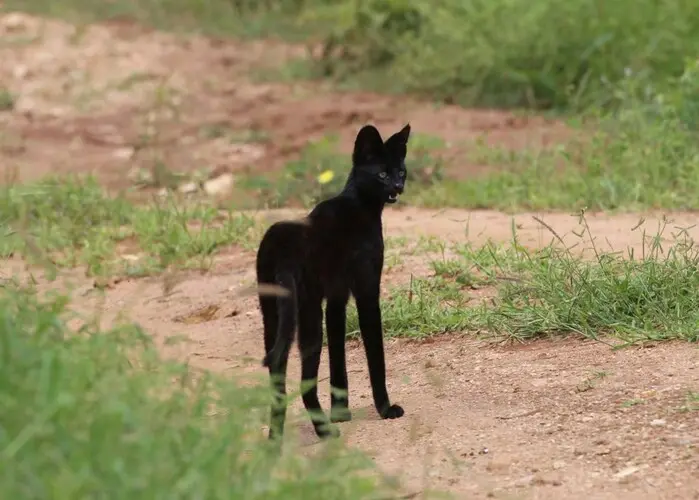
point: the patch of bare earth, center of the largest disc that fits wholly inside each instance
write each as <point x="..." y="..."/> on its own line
<point x="548" y="420"/>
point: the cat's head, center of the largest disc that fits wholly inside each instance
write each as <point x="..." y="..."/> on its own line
<point x="378" y="167"/>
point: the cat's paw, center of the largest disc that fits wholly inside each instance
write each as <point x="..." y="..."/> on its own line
<point x="340" y="414"/>
<point x="393" y="411"/>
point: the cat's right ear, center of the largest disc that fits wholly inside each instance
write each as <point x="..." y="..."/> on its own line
<point x="368" y="146"/>
<point x="397" y="144"/>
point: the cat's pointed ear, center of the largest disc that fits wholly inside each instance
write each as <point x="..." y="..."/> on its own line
<point x="398" y="142"/>
<point x="367" y="146"/>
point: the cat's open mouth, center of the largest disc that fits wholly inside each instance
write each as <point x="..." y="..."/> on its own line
<point x="392" y="198"/>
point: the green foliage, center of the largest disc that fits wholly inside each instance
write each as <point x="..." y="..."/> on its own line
<point x="300" y="182"/>
<point x="72" y="221"/>
<point x="211" y="17"/>
<point x="644" y="155"/>
<point x="551" y="53"/>
<point x="98" y="414"/>
<point x="680" y="101"/>
<point x="425" y="168"/>
<point x="553" y="291"/>
<point x="652" y="296"/>
<point x="7" y="100"/>
<point x="426" y="308"/>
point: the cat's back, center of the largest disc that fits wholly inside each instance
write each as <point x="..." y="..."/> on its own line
<point x="283" y="242"/>
<point x="338" y="222"/>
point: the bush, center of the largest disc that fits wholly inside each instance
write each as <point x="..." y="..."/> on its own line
<point x="550" y="53"/>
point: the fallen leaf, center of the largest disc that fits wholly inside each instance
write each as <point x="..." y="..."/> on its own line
<point x="206" y="313"/>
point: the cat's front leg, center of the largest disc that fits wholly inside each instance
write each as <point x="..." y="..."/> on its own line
<point x="369" y="312"/>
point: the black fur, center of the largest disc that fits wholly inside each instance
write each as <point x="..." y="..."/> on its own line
<point x="337" y="251"/>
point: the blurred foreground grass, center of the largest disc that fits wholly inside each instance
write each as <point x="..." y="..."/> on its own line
<point x="98" y="414"/>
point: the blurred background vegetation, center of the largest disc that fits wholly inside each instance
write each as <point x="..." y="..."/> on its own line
<point x="629" y="68"/>
<point x="549" y="54"/>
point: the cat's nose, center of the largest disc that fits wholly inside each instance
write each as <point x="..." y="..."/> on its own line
<point x="398" y="187"/>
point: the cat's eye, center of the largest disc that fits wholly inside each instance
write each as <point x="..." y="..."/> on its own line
<point x="402" y="173"/>
<point x="382" y="175"/>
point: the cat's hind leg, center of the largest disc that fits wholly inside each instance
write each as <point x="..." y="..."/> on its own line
<point x="310" y="338"/>
<point x="277" y="369"/>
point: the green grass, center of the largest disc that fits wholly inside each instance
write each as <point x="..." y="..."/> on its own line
<point x="7" y="100"/>
<point x="630" y="59"/>
<point x="645" y="155"/>
<point x="634" y="165"/>
<point x="538" y="292"/>
<point x="649" y="298"/>
<point x="242" y="18"/>
<point x="554" y="291"/>
<point x="72" y="222"/>
<point x="650" y="167"/>
<point x="298" y="182"/>
<point x="426" y="308"/>
<point x="98" y="414"/>
<point x="510" y="52"/>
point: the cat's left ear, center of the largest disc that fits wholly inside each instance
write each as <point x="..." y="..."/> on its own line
<point x="368" y="146"/>
<point x="398" y="142"/>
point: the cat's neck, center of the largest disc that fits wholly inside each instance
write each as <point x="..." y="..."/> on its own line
<point x="373" y="206"/>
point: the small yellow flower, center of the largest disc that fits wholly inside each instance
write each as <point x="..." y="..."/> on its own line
<point x="326" y="176"/>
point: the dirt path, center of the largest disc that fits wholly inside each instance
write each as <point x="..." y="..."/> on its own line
<point x="550" y="420"/>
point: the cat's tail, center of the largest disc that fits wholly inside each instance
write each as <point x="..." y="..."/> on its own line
<point x="286" y="325"/>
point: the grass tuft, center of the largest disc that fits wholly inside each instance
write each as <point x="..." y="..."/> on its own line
<point x="72" y="222"/>
<point x="652" y="296"/>
<point x="523" y="294"/>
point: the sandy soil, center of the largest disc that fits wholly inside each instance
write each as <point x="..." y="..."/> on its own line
<point x="546" y="420"/>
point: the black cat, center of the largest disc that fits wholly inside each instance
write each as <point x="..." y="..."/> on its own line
<point x="337" y="250"/>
